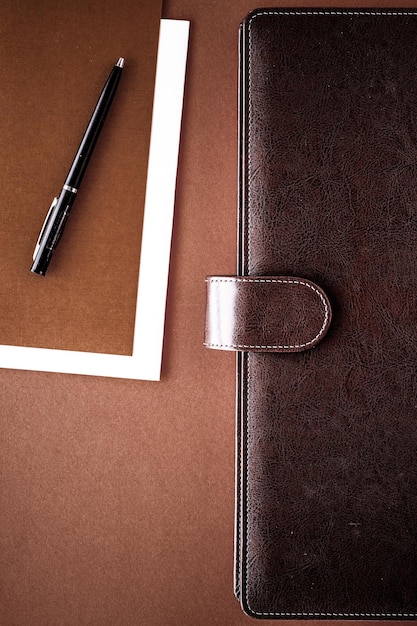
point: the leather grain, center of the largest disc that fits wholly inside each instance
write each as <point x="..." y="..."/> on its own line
<point x="265" y="313"/>
<point x="327" y="438"/>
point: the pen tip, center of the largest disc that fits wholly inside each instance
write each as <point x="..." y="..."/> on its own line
<point x="120" y="63"/>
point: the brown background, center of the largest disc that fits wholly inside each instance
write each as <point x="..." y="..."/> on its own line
<point x="116" y="500"/>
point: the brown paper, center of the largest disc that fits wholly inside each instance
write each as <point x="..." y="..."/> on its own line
<point x="55" y="58"/>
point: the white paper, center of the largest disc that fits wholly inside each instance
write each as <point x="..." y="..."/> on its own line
<point x="145" y="362"/>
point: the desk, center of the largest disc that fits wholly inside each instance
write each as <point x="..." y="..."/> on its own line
<point x="118" y="496"/>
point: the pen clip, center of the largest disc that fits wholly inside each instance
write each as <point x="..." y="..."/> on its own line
<point x="47" y="218"/>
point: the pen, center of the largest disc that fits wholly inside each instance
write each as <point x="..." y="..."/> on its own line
<point x="57" y="215"/>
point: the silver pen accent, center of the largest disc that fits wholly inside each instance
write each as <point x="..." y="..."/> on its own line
<point x="68" y="188"/>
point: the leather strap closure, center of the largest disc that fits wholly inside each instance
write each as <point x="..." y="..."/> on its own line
<point x="265" y="313"/>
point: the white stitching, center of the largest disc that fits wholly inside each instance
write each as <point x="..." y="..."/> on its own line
<point x="283" y="282"/>
<point x="245" y="590"/>
<point x="354" y="13"/>
<point x="338" y="614"/>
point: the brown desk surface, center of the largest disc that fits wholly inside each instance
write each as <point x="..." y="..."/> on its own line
<point x="116" y="497"/>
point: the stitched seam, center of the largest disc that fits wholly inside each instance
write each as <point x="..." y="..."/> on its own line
<point x="238" y="492"/>
<point x="354" y="13"/>
<point x="283" y="282"/>
<point x="245" y="590"/>
<point x="300" y="614"/>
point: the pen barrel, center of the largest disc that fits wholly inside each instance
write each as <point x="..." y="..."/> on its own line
<point x="59" y="210"/>
<point x="88" y="142"/>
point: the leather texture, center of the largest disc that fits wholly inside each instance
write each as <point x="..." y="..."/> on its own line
<point x="265" y="313"/>
<point x="327" y="438"/>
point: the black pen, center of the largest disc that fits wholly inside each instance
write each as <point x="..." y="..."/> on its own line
<point x="61" y="206"/>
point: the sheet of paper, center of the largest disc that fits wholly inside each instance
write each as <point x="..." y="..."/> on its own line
<point x="145" y="361"/>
